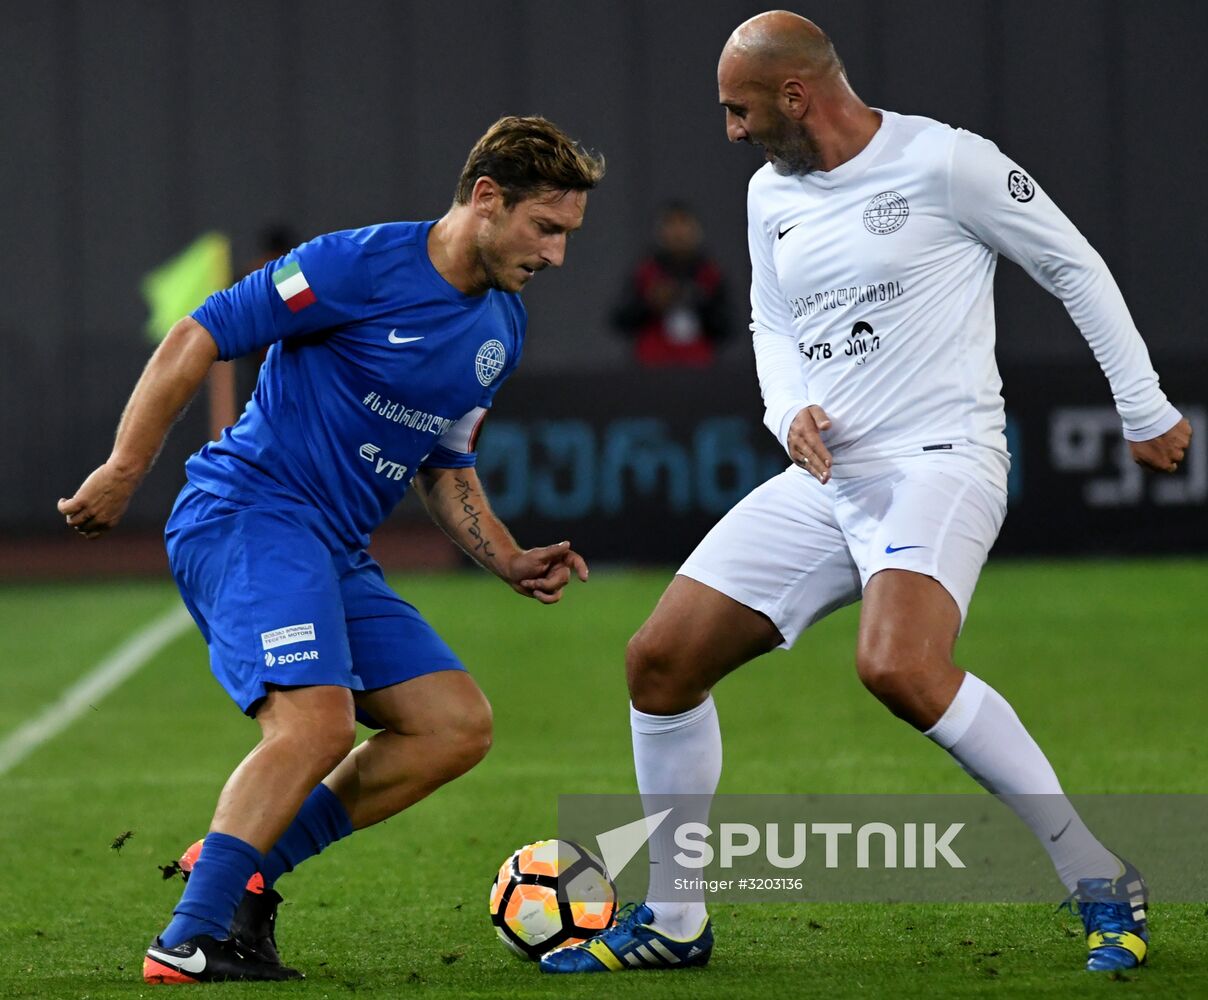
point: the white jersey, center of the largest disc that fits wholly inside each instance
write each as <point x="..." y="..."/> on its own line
<point x="871" y="296"/>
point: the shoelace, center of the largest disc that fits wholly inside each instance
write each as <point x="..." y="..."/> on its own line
<point x="1112" y="917"/>
<point x="627" y="917"/>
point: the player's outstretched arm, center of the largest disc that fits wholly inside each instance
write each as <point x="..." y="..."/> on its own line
<point x="455" y="500"/>
<point x="1166" y="451"/>
<point x="171" y="378"/>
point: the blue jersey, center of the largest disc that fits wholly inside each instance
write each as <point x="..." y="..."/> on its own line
<point x="377" y="366"/>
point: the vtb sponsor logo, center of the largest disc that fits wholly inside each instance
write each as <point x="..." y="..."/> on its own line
<point x="382" y="466"/>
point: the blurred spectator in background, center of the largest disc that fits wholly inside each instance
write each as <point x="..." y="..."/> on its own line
<point x="674" y="305"/>
<point x="273" y="241"/>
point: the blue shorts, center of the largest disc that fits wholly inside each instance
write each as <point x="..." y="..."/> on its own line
<point x="279" y="608"/>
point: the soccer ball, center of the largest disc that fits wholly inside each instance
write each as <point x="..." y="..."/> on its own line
<point x="551" y="894"/>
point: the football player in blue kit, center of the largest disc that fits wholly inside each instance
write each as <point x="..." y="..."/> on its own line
<point x="388" y="345"/>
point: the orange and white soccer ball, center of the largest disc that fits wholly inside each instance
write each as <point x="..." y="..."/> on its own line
<point x="551" y="894"/>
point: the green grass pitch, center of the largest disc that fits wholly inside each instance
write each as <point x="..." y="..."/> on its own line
<point x="1104" y="662"/>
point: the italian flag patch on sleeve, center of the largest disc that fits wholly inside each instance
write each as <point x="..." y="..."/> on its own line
<point x="292" y="286"/>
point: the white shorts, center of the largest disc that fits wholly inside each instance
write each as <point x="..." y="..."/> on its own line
<point x="795" y="550"/>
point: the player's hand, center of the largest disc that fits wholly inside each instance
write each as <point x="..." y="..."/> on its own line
<point x="1165" y="452"/>
<point x="100" y="502"/>
<point x="542" y="573"/>
<point x="805" y="442"/>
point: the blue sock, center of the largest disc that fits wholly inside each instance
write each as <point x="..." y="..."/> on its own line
<point x="214" y="890"/>
<point x="322" y="820"/>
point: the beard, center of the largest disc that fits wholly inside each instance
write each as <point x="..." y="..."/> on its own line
<point x="792" y="150"/>
<point x="492" y="269"/>
<point x="491" y="262"/>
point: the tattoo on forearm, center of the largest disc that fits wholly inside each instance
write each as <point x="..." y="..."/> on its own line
<point x="463" y="490"/>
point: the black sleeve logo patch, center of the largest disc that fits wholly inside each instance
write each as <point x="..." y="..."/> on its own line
<point x="1020" y="186"/>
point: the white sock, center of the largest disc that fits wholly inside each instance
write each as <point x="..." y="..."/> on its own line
<point x="676" y="755"/>
<point x="985" y="736"/>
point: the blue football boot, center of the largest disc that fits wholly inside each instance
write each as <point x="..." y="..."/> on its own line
<point x="631" y="943"/>
<point x="1113" y="912"/>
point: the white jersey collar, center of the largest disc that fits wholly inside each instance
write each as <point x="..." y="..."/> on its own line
<point x="859" y="163"/>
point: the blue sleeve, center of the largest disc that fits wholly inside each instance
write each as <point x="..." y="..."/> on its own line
<point x="322" y="284"/>
<point x="457" y="448"/>
<point x="446" y="458"/>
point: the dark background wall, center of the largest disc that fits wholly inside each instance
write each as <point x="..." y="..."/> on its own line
<point x="130" y="126"/>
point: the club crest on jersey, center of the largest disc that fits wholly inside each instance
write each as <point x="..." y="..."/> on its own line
<point x="886" y="213"/>
<point x="489" y="362"/>
<point x="1020" y="186"/>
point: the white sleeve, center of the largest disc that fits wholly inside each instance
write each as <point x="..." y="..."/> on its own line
<point x="462" y="436"/>
<point x="1004" y="208"/>
<point x="776" y="358"/>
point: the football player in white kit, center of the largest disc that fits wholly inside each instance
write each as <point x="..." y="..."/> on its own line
<point x="873" y="239"/>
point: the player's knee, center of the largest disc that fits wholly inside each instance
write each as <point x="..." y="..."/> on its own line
<point x="900" y="677"/>
<point x="646" y="663"/>
<point x="658" y="682"/>
<point x="469" y="737"/>
<point x="332" y="745"/>
<point x="317" y="724"/>
<point x="317" y="740"/>
<point x="881" y="669"/>
<point x="318" y="748"/>
<point x="477" y="737"/>
<point x="874" y="667"/>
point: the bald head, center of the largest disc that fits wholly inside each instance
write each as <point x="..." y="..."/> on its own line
<point x="779" y="43"/>
<point x="785" y="91"/>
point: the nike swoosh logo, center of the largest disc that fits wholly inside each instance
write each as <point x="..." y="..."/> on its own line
<point x="401" y="340"/>
<point x="890" y="550"/>
<point x="194" y="963"/>
<point x="782" y="233"/>
<point x="1057" y="836"/>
